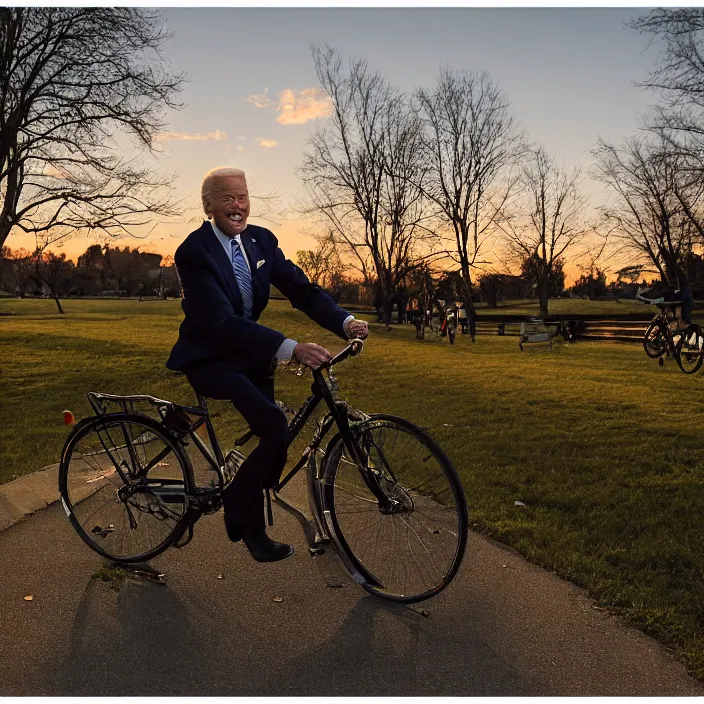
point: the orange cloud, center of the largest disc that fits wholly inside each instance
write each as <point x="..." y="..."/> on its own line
<point x="308" y="104"/>
<point x="260" y="101"/>
<point x="266" y="143"/>
<point x="192" y="137"/>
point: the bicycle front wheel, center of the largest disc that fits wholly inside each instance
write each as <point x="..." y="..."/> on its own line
<point x="690" y="349"/>
<point x="654" y="341"/>
<point x="124" y="483"/>
<point x="400" y="522"/>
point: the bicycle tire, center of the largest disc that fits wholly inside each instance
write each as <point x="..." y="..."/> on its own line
<point x="690" y="349"/>
<point x="654" y="342"/>
<point x="122" y="516"/>
<point x="436" y="324"/>
<point x="443" y="525"/>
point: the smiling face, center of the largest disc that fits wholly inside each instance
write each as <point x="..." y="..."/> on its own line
<point x="227" y="202"/>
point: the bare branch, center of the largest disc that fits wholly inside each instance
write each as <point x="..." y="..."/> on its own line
<point x="72" y="80"/>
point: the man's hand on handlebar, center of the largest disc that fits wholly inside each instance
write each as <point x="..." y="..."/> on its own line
<point x="311" y="355"/>
<point x="358" y="328"/>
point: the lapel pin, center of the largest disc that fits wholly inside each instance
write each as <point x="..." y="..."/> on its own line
<point x="260" y="262"/>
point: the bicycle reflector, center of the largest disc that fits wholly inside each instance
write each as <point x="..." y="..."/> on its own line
<point x="69" y="418"/>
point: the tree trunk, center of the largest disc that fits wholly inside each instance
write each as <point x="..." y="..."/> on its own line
<point x="58" y="302"/>
<point x="543" y="297"/>
<point x="466" y="295"/>
<point x="386" y="311"/>
<point x="387" y="305"/>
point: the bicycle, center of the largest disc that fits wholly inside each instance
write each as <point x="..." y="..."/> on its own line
<point x="382" y="493"/>
<point x="445" y="321"/>
<point x="686" y="345"/>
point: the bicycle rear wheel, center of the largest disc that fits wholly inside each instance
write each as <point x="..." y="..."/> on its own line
<point x="411" y="548"/>
<point x="690" y="349"/>
<point x="654" y="341"/>
<point x="124" y="485"/>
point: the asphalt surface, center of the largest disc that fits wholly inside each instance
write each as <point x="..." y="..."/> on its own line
<point x="503" y="628"/>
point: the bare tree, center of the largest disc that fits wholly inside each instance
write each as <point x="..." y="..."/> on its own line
<point x="470" y="143"/>
<point x="21" y="268"/>
<point x="322" y="264"/>
<point x="74" y="82"/>
<point x="679" y="76"/>
<point x="678" y="121"/>
<point x="55" y="272"/>
<point x="358" y="169"/>
<point x="651" y="214"/>
<point x="129" y="268"/>
<point x="550" y="220"/>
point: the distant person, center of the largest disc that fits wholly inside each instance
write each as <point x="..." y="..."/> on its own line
<point x="463" y="320"/>
<point x="226" y="269"/>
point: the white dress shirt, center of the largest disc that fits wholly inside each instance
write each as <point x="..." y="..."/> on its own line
<point x="285" y="351"/>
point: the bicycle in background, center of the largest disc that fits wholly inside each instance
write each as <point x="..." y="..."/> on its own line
<point x="665" y="337"/>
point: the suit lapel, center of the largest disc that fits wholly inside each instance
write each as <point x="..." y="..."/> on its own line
<point x="212" y="244"/>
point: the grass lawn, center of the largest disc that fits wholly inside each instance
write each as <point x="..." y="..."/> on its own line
<point x="568" y="306"/>
<point x="603" y="447"/>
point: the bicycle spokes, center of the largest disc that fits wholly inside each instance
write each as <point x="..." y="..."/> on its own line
<point x="126" y="487"/>
<point x="397" y="514"/>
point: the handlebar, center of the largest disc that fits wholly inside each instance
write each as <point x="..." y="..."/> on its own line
<point x="352" y="350"/>
<point x="659" y="302"/>
<point x="649" y="301"/>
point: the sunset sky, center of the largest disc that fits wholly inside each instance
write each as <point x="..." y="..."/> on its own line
<point x="253" y="96"/>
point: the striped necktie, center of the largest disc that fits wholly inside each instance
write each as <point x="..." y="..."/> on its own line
<point x="244" y="279"/>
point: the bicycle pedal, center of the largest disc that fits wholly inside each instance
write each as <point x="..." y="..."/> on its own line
<point x="155" y="577"/>
<point x="316" y="551"/>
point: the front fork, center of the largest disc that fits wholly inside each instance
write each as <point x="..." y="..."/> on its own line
<point x="338" y="411"/>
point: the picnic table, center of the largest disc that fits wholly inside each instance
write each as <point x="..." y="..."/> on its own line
<point x="537" y="330"/>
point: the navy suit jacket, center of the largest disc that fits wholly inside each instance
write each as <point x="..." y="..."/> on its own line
<point x="214" y="327"/>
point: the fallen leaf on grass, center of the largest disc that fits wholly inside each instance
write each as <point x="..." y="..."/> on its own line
<point x="518" y="503"/>
<point x="28" y="598"/>
<point x="278" y="599"/>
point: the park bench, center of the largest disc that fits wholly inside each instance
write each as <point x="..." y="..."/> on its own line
<point x="537" y="330"/>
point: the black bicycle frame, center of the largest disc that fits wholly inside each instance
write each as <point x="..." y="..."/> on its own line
<point x="320" y="391"/>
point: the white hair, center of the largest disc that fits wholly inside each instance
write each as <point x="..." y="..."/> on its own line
<point x="206" y="188"/>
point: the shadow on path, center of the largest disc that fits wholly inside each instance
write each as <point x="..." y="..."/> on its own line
<point x="139" y="640"/>
<point x="386" y="649"/>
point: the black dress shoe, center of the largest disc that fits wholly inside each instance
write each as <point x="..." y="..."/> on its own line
<point x="263" y="549"/>
<point x="234" y="532"/>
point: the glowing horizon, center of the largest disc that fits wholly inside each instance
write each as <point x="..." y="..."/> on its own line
<point x="568" y="74"/>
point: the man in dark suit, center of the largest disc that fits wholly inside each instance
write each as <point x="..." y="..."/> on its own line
<point x="226" y="268"/>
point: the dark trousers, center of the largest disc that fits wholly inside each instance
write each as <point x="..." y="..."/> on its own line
<point x="252" y="394"/>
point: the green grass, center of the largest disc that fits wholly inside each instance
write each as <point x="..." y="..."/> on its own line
<point x="112" y="575"/>
<point x="604" y="447"/>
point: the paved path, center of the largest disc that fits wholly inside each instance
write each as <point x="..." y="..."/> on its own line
<point x="504" y="627"/>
